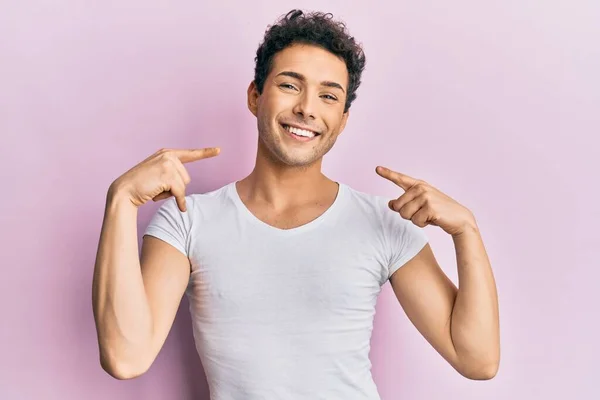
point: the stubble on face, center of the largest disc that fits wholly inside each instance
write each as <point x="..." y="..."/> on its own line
<point x="271" y="138"/>
<point x="276" y="106"/>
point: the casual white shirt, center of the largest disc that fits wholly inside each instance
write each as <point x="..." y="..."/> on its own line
<point x="286" y="314"/>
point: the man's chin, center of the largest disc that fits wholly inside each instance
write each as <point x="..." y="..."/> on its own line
<point x="297" y="161"/>
<point x="288" y="155"/>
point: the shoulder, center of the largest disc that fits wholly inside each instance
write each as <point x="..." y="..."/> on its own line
<point x="199" y="205"/>
<point x="207" y="205"/>
<point x="374" y="205"/>
<point x="211" y="197"/>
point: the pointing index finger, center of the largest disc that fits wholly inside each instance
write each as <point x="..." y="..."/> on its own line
<point x="190" y="155"/>
<point x="404" y="181"/>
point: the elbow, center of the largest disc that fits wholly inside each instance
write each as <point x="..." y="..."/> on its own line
<point x="122" y="370"/>
<point x="481" y="365"/>
<point x="481" y="372"/>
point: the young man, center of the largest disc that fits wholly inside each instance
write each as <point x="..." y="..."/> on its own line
<point x="283" y="268"/>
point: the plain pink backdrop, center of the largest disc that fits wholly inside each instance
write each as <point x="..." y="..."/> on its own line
<point x="496" y="103"/>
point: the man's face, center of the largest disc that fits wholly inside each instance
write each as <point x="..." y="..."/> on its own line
<point x="306" y="89"/>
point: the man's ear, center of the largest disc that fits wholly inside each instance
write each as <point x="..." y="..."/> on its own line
<point x="344" y="120"/>
<point x="253" y="98"/>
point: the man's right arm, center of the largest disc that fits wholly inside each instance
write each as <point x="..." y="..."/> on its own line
<point x="134" y="298"/>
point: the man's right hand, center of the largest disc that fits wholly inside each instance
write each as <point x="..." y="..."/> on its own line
<point x="160" y="176"/>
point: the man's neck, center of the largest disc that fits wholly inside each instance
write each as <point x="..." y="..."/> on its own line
<point x="284" y="187"/>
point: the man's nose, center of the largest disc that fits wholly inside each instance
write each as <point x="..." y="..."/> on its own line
<point x="306" y="106"/>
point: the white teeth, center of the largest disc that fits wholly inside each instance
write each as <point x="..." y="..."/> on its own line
<point x="300" y="132"/>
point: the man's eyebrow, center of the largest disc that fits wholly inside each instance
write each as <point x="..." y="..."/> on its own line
<point x="301" y="78"/>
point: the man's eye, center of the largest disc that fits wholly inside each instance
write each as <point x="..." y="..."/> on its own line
<point x="329" y="97"/>
<point x="287" y="86"/>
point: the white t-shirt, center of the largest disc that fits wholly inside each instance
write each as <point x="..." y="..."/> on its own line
<point x="286" y="314"/>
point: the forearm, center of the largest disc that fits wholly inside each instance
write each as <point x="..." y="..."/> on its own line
<point x="475" y="317"/>
<point x="121" y="309"/>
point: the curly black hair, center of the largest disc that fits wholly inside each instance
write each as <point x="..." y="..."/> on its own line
<point x="314" y="28"/>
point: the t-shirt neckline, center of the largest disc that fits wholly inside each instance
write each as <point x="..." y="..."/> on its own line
<point x="333" y="208"/>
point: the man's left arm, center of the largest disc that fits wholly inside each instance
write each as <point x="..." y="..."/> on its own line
<point x="461" y="324"/>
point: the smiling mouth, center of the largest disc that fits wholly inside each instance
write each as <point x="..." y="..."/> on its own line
<point x="299" y="133"/>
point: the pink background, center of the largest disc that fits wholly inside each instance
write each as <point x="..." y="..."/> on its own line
<point x="496" y="104"/>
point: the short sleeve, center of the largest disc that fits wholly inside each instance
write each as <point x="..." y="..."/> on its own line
<point x="404" y="240"/>
<point x="171" y="225"/>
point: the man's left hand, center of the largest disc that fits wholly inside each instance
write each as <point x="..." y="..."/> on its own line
<point x="424" y="205"/>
